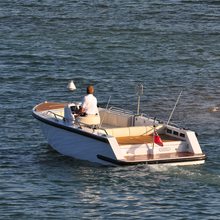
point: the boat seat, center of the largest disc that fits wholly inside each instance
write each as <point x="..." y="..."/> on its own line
<point x="89" y="120"/>
<point x="132" y="131"/>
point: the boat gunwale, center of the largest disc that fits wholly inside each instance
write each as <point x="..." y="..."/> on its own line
<point x="67" y="128"/>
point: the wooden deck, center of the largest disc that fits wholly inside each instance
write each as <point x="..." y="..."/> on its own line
<point x="165" y="156"/>
<point x="143" y="139"/>
<point x="49" y="106"/>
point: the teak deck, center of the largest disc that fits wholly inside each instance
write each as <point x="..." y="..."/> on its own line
<point x="160" y="156"/>
<point x="143" y="139"/>
<point x="49" y="106"/>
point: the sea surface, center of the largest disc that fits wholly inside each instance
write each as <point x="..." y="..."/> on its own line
<point x="168" y="46"/>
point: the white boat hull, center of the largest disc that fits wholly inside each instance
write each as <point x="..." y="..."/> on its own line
<point x="74" y="145"/>
<point x="123" y="145"/>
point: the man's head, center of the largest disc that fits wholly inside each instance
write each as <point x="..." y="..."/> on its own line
<point x="90" y="89"/>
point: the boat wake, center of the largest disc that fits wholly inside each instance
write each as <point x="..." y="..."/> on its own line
<point x="159" y="168"/>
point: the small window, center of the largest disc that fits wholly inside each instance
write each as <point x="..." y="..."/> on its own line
<point x="169" y="131"/>
<point x="182" y="135"/>
<point x="175" y="133"/>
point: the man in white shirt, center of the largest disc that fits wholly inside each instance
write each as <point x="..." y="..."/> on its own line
<point x="89" y="110"/>
<point x="89" y="104"/>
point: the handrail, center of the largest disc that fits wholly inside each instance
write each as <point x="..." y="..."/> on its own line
<point x="161" y="121"/>
<point x="103" y="130"/>
<point x="76" y="122"/>
<point x="120" y="110"/>
<point x="56" y="115"/>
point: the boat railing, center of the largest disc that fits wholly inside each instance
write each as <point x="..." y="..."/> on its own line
<point x="159" y="120"/>
<point x="103" y="129"/>
<point x="176" y="124"/>
<point x="121" y="110"/>
<point x="56" y="116"/>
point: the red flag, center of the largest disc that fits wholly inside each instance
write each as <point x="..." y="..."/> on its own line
<point x="157" y="139"/>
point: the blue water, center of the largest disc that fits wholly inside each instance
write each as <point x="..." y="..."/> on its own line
<point x="168" y="46"/>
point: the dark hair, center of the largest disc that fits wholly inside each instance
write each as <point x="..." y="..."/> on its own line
<point x="90" y="89"/>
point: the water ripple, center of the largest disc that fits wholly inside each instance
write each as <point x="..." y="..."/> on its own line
<point x="168" y="46"/>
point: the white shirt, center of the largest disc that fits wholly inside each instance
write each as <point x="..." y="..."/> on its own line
<point x="90" y="104"/>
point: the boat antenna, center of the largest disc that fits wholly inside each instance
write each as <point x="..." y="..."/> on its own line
<point x="139" y="91"/>
<point x="171" y="114"/>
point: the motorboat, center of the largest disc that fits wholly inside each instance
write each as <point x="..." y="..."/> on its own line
<point x="120" y="138"/>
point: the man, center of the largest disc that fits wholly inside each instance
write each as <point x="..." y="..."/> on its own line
<point x="89" y="104"/>
<point x="89" y="110"/>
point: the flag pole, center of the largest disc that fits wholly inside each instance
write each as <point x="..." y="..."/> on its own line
<point x="154" y="131"/>
<point x="156" y="138"/>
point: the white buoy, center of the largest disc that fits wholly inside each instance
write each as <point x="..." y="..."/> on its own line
<point x="71" y="86"/>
